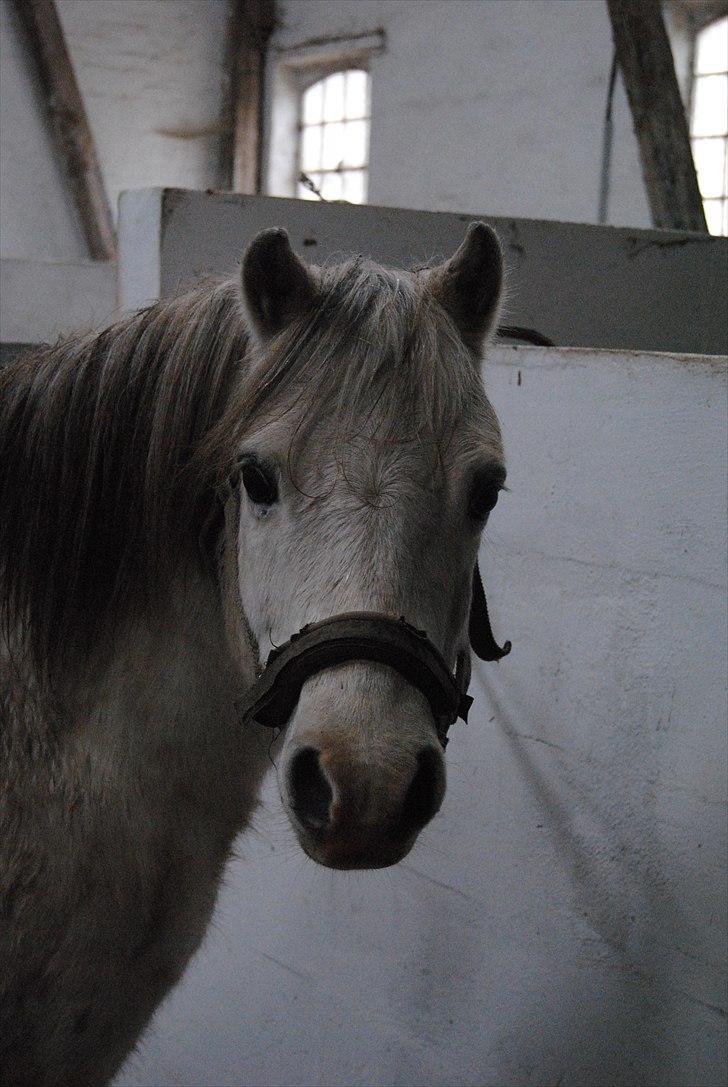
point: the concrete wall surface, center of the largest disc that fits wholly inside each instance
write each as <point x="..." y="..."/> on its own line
<point x="151" y="75"/>
<point x="563" y="918"/>
<point x="37" y="215"/>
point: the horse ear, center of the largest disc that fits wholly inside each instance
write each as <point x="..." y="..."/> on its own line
<point x="469" y="285"/>
<point x="277" y="285"/>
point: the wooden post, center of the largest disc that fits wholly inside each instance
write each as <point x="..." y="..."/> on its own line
<point x="69" y="124"/>
<point x="251" y="24"/>
<point x="645" y="60"/>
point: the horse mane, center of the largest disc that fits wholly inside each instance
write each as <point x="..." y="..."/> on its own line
<point x="94" y="436"/>
<point x="112" y="445"/>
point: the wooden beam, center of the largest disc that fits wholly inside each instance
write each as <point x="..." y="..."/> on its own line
<point x="645" y="60"/>
<point x="68" y="122"/>
<point x="251" y="24"/>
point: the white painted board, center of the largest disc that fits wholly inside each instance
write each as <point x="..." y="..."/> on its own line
<point x="650" y="290"/>
<point x="563" y="919"/>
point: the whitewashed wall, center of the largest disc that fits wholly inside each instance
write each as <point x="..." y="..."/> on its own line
<point x="563" y="918"/>
<point x="489" y="106"/>
<point x="151" y="76"/>
<point x="37" y="216"/>
<point x="150" y="73"/>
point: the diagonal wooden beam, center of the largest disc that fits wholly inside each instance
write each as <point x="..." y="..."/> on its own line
<point x="251" y="24"/>
<point x="645" y="60"/>
<point x="68" y="123"/>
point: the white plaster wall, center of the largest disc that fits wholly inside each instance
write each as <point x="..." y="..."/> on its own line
<point x="563" y="918"/>
<point x="42" y="300"/>
<point x="489" y="106"/>
<point x="150" y="72"/>
<point x="37" y="216"/>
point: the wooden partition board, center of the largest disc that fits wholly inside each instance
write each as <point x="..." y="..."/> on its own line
<point x="580" y="285"/>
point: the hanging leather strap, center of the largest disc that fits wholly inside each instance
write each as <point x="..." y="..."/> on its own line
<point x="480" y="632"/>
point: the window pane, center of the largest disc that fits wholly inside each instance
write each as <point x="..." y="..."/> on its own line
<point x="714" y="215"/>
<point x="333" y="149"/>
<point x="334" y="137"/>
<point x="354" y="186"/>
<point x="334" y="97"/>
<point x="311" y="148"/>
<point x="331" y="187"/>
<point x="709" y="158"/>
<point x="313" y="104"/>
<point x="355" y="143"/>
<point x="357" y="96"/>
<point x="710" y="106"/>
<point x="711" y="50"/>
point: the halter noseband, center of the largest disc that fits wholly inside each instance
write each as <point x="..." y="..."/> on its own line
<point x="374" y="637"/>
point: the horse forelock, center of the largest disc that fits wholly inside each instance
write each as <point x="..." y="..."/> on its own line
<point x="376" y="357"/>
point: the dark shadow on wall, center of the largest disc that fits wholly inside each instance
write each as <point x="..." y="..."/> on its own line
<point x="626" y="903"/>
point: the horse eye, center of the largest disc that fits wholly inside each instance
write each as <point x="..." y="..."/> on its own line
<point x="482" y="500"/>
<point x="260" y="484"/>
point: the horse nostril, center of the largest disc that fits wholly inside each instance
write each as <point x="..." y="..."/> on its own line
<point x="424" y="794"/>
<point x="310" y="792"/>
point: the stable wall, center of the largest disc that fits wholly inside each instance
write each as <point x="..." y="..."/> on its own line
<point x="563" y="918"/>
<point x="578" y="285"/>
<point x="487" y="106"/>
<point x="151" y="77"/>
<point x="150" y="73"/>
<point x="37" y="215"/>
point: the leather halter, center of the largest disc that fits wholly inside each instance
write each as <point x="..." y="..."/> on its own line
<point x="374" y="637"/>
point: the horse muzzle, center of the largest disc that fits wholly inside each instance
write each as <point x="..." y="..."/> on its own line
<point x="340" y="823"/>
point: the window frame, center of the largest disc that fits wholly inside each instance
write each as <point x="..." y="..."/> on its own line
<point x="305" y="86"/>
<point x="684" y="21"/>
<point x="701" y="20"/>
<point x="293" y="71"/>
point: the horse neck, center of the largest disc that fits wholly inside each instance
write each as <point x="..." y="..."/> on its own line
<point x="172" y="685"/>
<point x="156" y="715"/>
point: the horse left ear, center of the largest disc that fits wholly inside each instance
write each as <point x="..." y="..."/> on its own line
<point x="469" y="285"/>
<point x="277" y="285"/>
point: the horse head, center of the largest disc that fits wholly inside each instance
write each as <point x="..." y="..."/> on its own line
<point x="365" y="472"/>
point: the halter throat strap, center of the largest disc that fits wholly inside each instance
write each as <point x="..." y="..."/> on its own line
<point x="355" y="636"/>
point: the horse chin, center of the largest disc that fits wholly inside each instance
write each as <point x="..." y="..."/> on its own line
<point x="347" y="856"/>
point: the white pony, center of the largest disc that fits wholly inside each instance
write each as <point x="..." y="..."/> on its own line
<point x="180" y="493"/>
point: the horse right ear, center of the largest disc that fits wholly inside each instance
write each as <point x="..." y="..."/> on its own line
<point x="277" y="285"/>
<point x="469" y="285"/>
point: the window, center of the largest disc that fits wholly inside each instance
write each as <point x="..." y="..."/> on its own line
<point x="333" y="146"/>
<point x="709" y="122"/>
